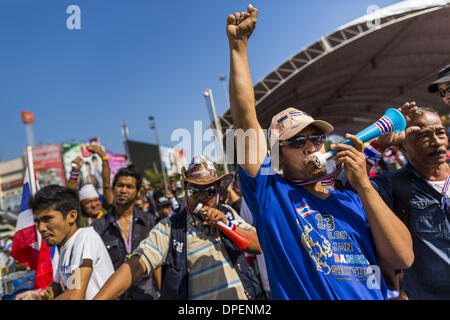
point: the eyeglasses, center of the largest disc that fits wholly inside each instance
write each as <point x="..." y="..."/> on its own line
<point x="300" y="141"/>
<point x="443" y="93"/>
<point x="195" y="192"/>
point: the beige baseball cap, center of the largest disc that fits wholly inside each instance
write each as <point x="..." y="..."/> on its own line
<point x="291" y="121"/>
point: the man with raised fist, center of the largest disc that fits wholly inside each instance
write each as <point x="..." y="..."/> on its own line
<point x="318" y="244"/>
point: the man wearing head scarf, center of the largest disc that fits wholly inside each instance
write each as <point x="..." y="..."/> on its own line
<point x="91" y="206"/>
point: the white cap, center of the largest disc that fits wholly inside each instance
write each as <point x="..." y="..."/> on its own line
<point x="87" y="192"/>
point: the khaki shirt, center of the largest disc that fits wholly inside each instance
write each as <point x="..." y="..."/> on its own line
<point x="211" y="274"/>
<point x="85" y="221"/>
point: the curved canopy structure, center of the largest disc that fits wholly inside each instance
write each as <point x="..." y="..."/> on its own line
<point x="350" y="77"/>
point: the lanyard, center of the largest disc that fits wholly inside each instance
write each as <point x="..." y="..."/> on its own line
<point x="444" y="204"/>
<point x="327" y="180"/>
<point x="128" y="244"/>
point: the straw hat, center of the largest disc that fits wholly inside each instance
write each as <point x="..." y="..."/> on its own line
<point x="201" y="171"/>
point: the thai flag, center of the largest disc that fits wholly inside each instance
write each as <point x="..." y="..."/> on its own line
<point x="26" y="249"/>
<point x="385" y="125"/>
<point x="305" y="211"/>
<point x="297" y="113"/>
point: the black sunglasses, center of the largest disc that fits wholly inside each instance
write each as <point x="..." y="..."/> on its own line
<point x="443" y="93"/>
<point x="208" y="192"/>
<point x="300" y="141"/>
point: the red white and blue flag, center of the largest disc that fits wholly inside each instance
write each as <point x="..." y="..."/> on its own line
<point x="385" y="125"/>
<point x="27" y="247"/>
<point x="305" y="211"/>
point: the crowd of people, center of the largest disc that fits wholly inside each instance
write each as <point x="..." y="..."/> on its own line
<point x="382" y="232"/>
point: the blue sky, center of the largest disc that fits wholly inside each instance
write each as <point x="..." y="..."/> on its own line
<point x="136" y="58"/>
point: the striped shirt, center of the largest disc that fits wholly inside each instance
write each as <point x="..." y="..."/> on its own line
<point x="211" y="275"/>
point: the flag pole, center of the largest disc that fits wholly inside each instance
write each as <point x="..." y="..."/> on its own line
<point x="30" y="170"/>
<point x="32" y="182"/>
<point x="28" y="120"/>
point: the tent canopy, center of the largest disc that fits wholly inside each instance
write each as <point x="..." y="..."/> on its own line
<point x="350" y="77"/>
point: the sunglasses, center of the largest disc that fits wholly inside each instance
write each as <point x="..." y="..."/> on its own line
<point x="443" y="93"/>
<point x="300" y="141"/>
<point x="208" y="192"/>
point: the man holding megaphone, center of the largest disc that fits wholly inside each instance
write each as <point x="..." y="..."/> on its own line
<point x="318" y="244"/>
<point x="203" y="237"/>
<point x="419" y="194"/>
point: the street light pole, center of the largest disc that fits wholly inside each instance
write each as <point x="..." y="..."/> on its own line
<point x="223" y="80"/>
<point x="153" y="126"/>
<point x="125" y="143"/>
<point x="210" y="105"/>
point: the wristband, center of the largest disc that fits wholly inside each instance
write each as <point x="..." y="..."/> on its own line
<point x="105" y="158"/>
<point x="74" y="175"/>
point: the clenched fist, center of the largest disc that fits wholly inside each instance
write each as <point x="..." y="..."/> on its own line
<point x="241" y="24"/>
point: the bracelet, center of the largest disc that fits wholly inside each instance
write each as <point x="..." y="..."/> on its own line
<point x="48" y="294"/>
<point x="105" y="158"/>
<point x="74" y="175"/>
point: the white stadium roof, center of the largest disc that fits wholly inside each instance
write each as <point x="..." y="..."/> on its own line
<point x="351" y="76"/>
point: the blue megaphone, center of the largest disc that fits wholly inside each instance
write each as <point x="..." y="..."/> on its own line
<point x="392" y="121"/>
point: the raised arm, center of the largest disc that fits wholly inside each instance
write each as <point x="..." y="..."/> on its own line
<point x="77" y="163"/>
<point x="242" y="99"/>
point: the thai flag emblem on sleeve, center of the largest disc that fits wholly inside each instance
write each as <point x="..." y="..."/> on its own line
<point x="305" y="211"/>
<point x="27" y="248"/>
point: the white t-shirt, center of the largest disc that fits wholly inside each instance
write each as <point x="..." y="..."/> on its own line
<point x="85" y="243"/>
<point x="439" y="187"/>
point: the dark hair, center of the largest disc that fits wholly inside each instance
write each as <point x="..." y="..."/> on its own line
<point x="157" y="194"/>
<point x="57" y="198"/>
<point x="129" y="171"/>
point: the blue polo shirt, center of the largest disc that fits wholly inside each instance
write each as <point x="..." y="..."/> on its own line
<point x="314" y="248"/>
